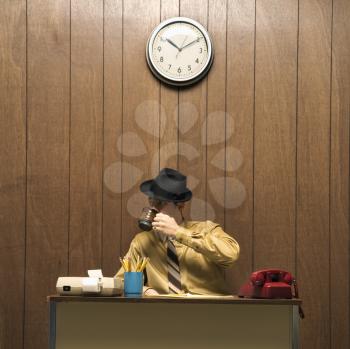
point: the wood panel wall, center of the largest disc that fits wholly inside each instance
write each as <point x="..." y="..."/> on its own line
<point x="264" y="140"/>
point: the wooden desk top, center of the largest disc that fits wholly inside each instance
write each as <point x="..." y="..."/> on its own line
<point x="176" y="299"/>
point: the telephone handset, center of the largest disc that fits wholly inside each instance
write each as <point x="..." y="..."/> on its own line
<point x="271" y="283"/>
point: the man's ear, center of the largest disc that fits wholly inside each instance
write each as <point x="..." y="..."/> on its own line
<point x="180" y="206"/>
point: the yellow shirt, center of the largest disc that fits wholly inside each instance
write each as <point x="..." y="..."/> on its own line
<point x="203" y="250"/>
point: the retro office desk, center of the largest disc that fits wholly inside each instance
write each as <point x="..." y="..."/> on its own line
<point x="152" y="323"/>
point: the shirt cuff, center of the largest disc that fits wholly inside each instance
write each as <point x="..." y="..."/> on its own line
<point x="184" y="236"/>
<point x="145" y="289"/>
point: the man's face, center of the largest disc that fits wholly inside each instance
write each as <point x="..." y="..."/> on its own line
<point x="165" y="207"/>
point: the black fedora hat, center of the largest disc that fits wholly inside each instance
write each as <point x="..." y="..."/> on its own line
<point x="169" y="185"/>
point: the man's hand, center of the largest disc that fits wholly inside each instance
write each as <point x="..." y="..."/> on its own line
<point x="150" y="292"/>
<point x="165" y="224"/>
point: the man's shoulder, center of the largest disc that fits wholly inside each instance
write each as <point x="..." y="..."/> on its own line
<point x="143" y="236"/>
<point x="208" y="224"/>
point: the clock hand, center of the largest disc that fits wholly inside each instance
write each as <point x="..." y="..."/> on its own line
<point x="173" y="44"/>
<point x="192" y="42"/>
<point x="180" y="49"/>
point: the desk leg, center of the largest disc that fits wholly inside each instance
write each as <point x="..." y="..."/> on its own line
<point x="295" y="327"/>
<point x="52" y="329"/>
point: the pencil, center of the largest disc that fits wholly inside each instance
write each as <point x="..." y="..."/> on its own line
<point x="144" y="263"/>
<point x="137" y="262"/>
<point x="123" y="264"/>
<point x="139" y="265"/>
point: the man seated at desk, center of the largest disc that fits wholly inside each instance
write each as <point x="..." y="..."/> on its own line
<point x="185" y="256"/>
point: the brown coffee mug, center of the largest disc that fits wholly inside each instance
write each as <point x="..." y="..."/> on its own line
<point x="147" y="217"/>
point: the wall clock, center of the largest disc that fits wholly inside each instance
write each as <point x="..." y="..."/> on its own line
<point x="179" y="51"/>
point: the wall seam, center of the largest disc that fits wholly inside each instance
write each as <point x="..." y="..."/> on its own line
<point x="26" y="185"/>
<point x="296" y="152"/>
<point x="254" y="113"/>
<point x="160" y="100"/>
<point x="70" y="129"/>
<point x="178" y="114"/>
<point x="225" y="135"/>
<point x="206" y="131"/>
<point x="103" y="129"/>
<point x="121" y="147"/>
<point x="348" y="220"/>
<point x="330" y="186"/>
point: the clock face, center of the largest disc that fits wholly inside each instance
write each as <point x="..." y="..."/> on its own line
<point x="179" y="51"/>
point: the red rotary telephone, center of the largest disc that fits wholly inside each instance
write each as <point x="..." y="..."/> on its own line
<point x="269" y="283"/>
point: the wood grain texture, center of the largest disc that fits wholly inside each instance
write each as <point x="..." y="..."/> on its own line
<point x="140" y="113"/>
<point x="47" y="161"/>
<point x="313" y="168"/>
<point x="193" y="127"/>
<point x="240" y="107"/>
<point x="216" y="114"/>
<point x="169" y="111"/>
<point x="275" y="134"/>
<point x="92" y="123"/>
<point x="113" y="118"/>
<point x="13" y="170"/>
<point x="339" y="181"/>
<point x="86" y="136"/>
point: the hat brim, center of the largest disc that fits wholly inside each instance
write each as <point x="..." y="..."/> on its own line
<point x="145" y="187"/>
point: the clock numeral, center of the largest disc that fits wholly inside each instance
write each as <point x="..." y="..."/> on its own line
<point x="197" y="60"/>
<point x="169" y="66"/>
<point x="188" y="67"/>
<point x="200" y="50"/>
<point x="161" y="59"/>
<point x="159" y="48"/>
<point x="179" y="70"/>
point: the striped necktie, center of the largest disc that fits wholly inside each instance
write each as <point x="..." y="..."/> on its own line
<point x="173" y="269"/>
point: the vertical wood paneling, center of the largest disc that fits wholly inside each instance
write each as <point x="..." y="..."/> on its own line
<point x="275" y="138"/>
<point x="169" y="113"/>
<point x="216" y="113"/>
<point x="339" y="190"/>
<point x="140" y="108"/>
<point x="313" y="150"/>
<point x="92" y="114"/>
<point x="47" y="159"/>
<point x="192" y="142"/>
<point x="240" y="107"/>
<point x="13" y="170"/>
<point x="113" y="109"/>
<point x="86" y="136"/>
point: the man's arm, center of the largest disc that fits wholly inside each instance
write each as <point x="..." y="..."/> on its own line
<point x="209" y="239"/>
<point x="133" y="252"/>
<point x="206" y="237"/>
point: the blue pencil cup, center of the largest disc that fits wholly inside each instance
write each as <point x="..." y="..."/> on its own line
<point x="133" y="284"/>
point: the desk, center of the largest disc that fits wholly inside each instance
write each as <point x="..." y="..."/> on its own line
<point x="169" y="323"/>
